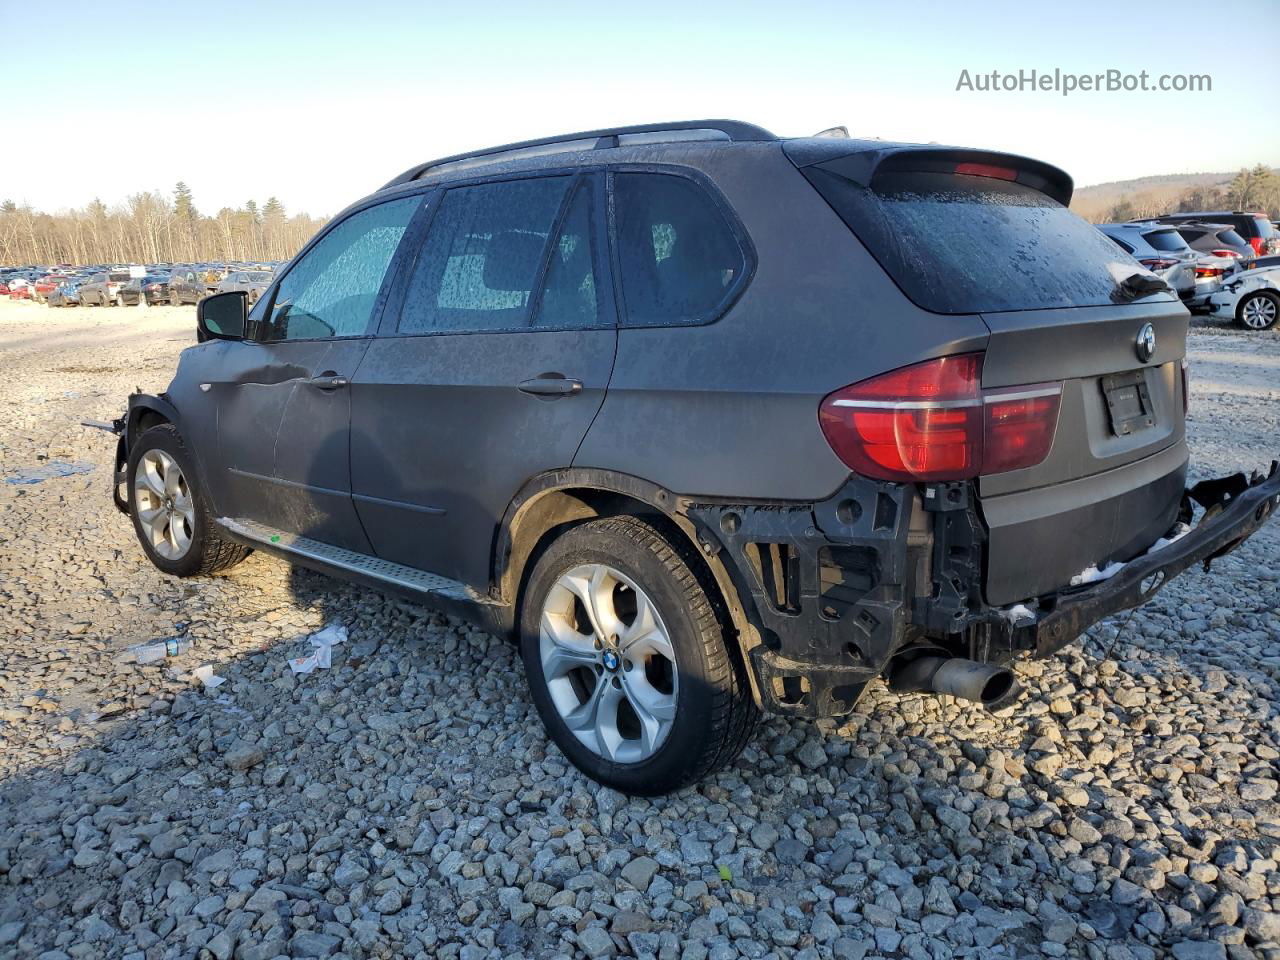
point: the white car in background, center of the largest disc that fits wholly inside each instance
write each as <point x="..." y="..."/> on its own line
<point x="1251" y="297"/>
<point x="1192" y="274"/>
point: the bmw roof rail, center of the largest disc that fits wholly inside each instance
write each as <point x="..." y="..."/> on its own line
<point x="733" y="130"/>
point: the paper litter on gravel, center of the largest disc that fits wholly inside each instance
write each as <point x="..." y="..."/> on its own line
<point x="322" y="657"/>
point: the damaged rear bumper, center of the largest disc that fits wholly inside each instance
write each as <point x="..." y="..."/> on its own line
<point x="839" y="590"/>
<point x="1235" y="507"/>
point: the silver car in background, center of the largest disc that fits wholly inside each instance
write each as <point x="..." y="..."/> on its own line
<point x="251" y="282"/>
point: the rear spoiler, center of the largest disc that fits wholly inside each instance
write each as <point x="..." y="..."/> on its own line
<point x="863" y="160"/>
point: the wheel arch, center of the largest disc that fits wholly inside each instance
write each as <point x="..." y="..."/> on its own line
<point x="552" y="502"/>
<point x="146" y="411"/>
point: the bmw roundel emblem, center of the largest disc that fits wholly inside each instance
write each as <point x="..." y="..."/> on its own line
<point x="610" y="660"/>
<point x="1146" y="342"/>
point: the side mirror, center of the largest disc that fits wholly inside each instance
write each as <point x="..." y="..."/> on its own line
<point x="222" y="316"/>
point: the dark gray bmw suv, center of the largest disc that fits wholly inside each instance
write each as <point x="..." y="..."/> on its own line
<point x="710" y="421"/>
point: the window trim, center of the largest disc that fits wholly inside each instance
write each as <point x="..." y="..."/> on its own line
<point x="256" y="323"/>
<point x="592" y="177"/>
<point x="733" y="293"/>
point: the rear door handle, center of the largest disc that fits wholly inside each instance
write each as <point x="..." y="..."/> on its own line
<point x="550" y="387"/>
<point x="329" y="381"/>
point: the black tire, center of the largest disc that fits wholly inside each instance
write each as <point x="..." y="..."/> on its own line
<point x="715" y="715"/>
<point x="208" y="552"/>
<point x="1268" y="297"/>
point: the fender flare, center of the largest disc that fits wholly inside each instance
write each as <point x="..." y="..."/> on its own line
<point x="139" y="405"/>
<point x="507" y="580"/>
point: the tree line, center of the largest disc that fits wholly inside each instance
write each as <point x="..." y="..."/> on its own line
<point x="1256" y="189"/>
<point x="151" y="227"/>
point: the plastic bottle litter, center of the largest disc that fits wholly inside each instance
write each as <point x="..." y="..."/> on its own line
<point x="154" y="650"/>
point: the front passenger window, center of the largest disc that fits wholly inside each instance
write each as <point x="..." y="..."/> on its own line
<point x="331" y="291"/>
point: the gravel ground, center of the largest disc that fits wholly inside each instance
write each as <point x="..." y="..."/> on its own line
<point x="407" y="803"/>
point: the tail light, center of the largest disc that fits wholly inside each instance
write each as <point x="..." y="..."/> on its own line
<point x="1157" y="263"/>
<point x="1186" y="388"/>
<point x="1259" y="245"/>
<point x="933" y="421"/>
<point x="1225" y="253"/>
<point x="1208" y="272"/>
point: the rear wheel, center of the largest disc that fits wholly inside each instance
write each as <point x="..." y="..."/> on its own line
<point x="627" y="660"/>
<point x="170" y="515"/>
<point x="1258" y="310"/>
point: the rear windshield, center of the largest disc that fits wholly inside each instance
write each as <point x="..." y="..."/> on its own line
<point x="964" y="244"/>
<point x="1168" y="241"/>
<point x="118" y="276"/>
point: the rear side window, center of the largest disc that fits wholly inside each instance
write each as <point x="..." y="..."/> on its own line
<point x="1168" y="241"/>
<point x="680" y="259"/>
<point x="482" y="257"/>
<point x="331" y="291"/>
<point x="1263" y="228"/>
<point x="965" y="244"/>
<point x="1231" y="238"/>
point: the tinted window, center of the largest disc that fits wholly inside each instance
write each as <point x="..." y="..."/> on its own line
<point x="1231" y="238"/>
<point x="569" y="291"/>
<point x="1170" y="241"/>
<point x="1121" y="244"/>
<point x="330" y="292"/>
<point x="679" y="257"/>
<point x="1263" y="228"/>
<point x="965" y="244"/>
<point x="480" y="262"/>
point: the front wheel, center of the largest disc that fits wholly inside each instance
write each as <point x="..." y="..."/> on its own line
<point x="627" y="660"/>
<point x="1259" y="310"/>
<point x="170" y="515"/>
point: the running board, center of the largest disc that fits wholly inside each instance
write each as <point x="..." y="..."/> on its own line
<point x="449" y="596"/>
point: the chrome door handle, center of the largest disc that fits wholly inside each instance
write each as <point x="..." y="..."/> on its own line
<point x="550" y="387"/>
<point x="329" y="381"/>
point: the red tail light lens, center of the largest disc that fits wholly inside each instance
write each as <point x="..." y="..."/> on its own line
<point x="1019" y="425"/>
<point x="987" y="170"/>
<point x="932" y="422"/>
<point x="1154" y="263"/>
<point x="1186" y="388"/>
<point x="1225" y="253"/>
<point x="1259" y="245"/>
<point x="1202" y="272"/>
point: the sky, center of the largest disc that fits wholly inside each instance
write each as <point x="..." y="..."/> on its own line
<point x="321" y="103"/>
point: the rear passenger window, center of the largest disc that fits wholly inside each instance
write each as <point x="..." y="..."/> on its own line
<point x="482" y="257"/>
<point x="680" y="259"/>
<point x="569" y="290"/>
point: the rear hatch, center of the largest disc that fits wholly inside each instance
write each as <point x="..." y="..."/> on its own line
<point x="966" y="232"/>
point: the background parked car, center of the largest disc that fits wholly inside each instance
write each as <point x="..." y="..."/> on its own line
<point x="1216" y="239"/>
<point x="1161" y="250"/>
<point x="187" y="285"/>
<point x="20" y="289"/>
<point x="1258" y="232"/>
<point x="155" y="286"/>
<point x="252" y="282"/>
<point x="1251" y="298"/>
<point x="100" y="289"/>
<point x="46" y="285"/>
<point x="65" y="294"/>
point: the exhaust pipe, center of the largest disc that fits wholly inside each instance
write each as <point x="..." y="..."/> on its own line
<point x="992" y="686"/>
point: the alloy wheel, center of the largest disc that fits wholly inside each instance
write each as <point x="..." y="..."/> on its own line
<point x="164" y="505"/>
<point x="608" y="662"/>
<point x="1258" y="312"/>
